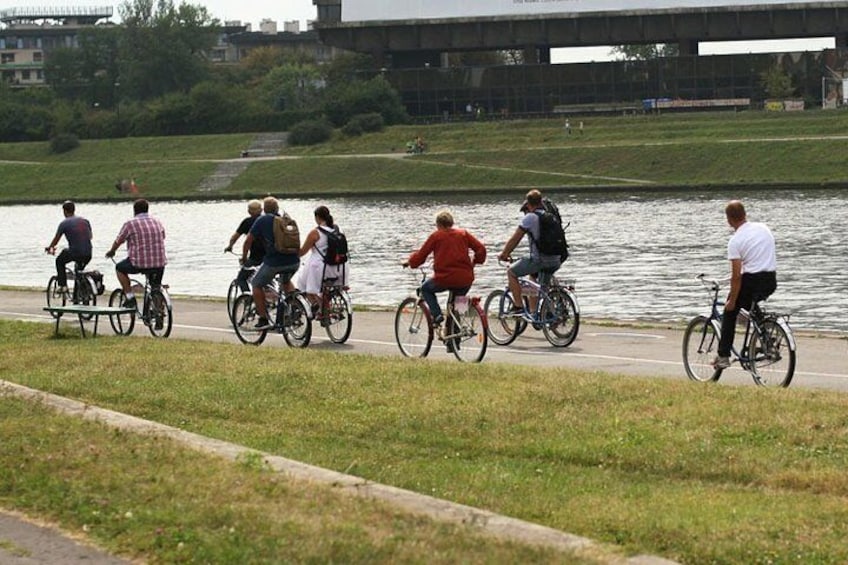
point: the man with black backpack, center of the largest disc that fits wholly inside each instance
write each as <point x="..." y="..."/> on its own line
<point x="548" y="248"/>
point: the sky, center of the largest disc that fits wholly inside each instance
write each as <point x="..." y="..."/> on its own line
<point x="253" y="11"/>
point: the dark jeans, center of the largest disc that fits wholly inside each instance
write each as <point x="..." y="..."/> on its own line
<point x="428" y="293"/>
<point x="755" y="287"/>
<point x="65" y="257"/>
<point x="245" y="272"/>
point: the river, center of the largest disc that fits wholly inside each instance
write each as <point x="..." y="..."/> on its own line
<point x="633" y="257"/>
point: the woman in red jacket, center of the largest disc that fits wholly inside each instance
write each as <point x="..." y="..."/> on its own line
<point x="452" y="266"/>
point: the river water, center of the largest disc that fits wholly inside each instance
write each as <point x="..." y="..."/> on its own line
<point x="634" y="257"/>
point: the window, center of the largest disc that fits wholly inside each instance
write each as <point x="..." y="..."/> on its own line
<point x="7" y="58"/>
<point x="25" y="75"/>
<point x="37" y="57"/>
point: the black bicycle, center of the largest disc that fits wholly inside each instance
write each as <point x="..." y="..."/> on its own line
<point x="289" y="310"/>
<point x="154" y="311"/>
<point x="83" y="287"/>
<point x="767" y="351"/>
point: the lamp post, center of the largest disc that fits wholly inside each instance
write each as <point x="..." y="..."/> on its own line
<point x="117" y="99"/>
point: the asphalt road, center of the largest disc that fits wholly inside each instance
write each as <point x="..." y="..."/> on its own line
<point x="628" y="349"/>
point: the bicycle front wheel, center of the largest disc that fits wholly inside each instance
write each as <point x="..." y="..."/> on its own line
<point x="233" y="292"/>
<point x="297" y="326"/>
<point x="337" y="317"/>
<point x="700" y="346"/>
<point x="773" y="356"/>
<point x="560" y="318"/>
<point x="159" y="313"/>
<point x="54" y="297"/>
<point x="502" y="328"/>
<point x="469" y="340"/>
<point x="122" y="324"/>
<point x="244" y="318"/>
<point x="413" y="333"/>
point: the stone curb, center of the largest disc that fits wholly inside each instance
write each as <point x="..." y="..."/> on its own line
<point x="490" y="523"/>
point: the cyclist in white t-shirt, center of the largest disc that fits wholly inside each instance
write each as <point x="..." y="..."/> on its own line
<point x="753" y="272"/>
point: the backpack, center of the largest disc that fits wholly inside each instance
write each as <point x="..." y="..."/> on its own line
<point x="551" y="233"/>
<point x="286" y="234"/>
<point x="336" y="246"/>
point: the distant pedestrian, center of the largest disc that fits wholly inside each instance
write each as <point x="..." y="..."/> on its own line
<point x="580" y="127"/>
<point x="567" y="127"/>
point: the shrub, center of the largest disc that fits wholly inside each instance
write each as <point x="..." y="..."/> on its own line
<point x="64" y="142"/>
<point x="310" y="132"/>
<point x="344" y="101"/>
<point x="352" y="129"/>
<point x="368" y="122"/>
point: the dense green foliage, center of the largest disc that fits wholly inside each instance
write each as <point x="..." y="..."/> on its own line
<point x="363" y="123"/>
<point x="63" y="143"/>
<point x="151" y="77"/>
<point x="310" y="132"/>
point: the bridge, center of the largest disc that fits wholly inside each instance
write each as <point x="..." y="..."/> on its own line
<point x="400" y="34"/>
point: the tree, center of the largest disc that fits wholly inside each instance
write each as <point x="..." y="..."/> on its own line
<point x="163" y="48"/>
<point x="343" y="101"/>
<point x="292" y="87"/>
<point x="777" y="83"/>
<point x="645" y="52"/>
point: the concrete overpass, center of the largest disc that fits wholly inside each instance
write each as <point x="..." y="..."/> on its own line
<point x="422" y="42"/>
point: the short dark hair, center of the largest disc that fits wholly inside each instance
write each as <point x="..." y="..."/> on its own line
<point x="69" y="207"/>
<point x="141" y="206"/>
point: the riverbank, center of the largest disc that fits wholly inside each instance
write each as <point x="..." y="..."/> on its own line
<point x="747" y="150"/>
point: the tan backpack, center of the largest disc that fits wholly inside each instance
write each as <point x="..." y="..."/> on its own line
<point x="286" y="234"/>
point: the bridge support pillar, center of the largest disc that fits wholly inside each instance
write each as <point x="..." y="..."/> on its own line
<point x="687" y="47"/>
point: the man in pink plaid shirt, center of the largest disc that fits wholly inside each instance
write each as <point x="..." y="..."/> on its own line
<point x="145" y="239"/>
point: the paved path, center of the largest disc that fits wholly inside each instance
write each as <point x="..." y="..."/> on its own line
<point x="613" y="348"/>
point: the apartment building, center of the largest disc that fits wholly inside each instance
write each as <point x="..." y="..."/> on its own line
<point x="28" y="34"/>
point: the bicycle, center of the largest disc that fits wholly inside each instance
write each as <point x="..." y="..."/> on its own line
<point x="291" y="316"/>
<point x="155" y="311"/>
<point x="83" y="287"/>
<point x="335" y="313"/>
<point x="464" y="334"/>
<point x="556" y="313"/>
<point x="768" y="347"/>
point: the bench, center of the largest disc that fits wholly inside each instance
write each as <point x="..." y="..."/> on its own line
<point x="85" y="311"/>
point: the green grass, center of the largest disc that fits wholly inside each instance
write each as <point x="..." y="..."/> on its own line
<point x="616" y="152"/>
<point x="694" y="473"/>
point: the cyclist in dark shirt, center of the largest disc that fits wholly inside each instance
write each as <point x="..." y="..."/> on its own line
<point x="257" y="248"/>
<point x="77" y="231"/>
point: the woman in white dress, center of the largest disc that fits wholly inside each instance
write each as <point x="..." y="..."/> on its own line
<point x="314" y="270"/>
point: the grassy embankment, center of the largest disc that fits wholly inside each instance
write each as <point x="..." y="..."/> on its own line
<point x="705" y="150"/>
<point x="700" y="474"/>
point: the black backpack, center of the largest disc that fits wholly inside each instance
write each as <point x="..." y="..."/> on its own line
<point x="336" y="246"/>
<point x="551" y="232"/>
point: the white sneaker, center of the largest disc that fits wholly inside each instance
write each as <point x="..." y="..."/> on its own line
<point x="721" y="362"/>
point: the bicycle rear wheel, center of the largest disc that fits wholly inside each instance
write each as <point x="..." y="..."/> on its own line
<point x="244" y="318"/>
<point x="159" y="313"/>
<point x="773" y="356"/>
<point x="122" y="324"/>
<point x="337" y="316"/>
<point x="700" y="346"/>
<point x="54" y="297"/>
<point x="413" y="333"/>
<point x="297" y="326"/>
<point x="502" y="328"/>
<point x="471" y="339"/>
<point x="560" y="318"/>
<point x="86" y="294"/>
